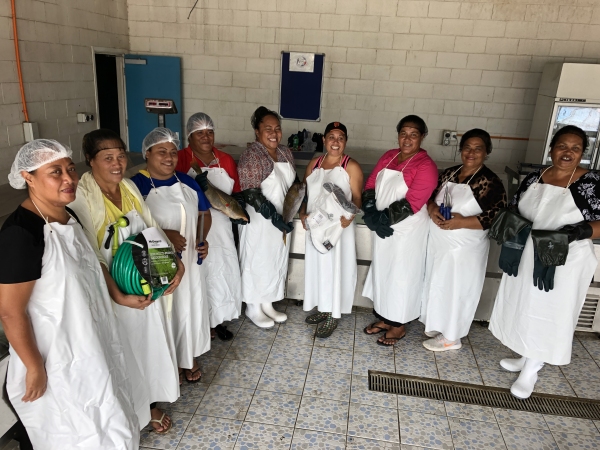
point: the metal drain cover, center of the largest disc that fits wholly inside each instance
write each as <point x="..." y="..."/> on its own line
<point x="473" y="394"/>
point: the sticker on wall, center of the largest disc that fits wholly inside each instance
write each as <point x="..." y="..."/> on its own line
<point x="302" y="62"/>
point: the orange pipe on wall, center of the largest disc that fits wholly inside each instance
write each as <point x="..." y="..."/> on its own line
<point x="18" y="58"/>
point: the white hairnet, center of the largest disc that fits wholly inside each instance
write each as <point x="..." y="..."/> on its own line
<point x="34" y="155"/>
<point x="159" y="136"/>
<point x="199" y="121"/>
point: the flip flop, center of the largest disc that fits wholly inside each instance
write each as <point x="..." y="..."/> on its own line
<point x="165" y="431"/>
<point x="192" y="373"/>
<point x="390" y="345"/>
<point x="223" y="333"/>
<point x="372" y="326"/>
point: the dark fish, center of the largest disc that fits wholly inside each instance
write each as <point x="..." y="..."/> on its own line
<point x="220" y="200"/>
<point x="341" y="198"/>
<point x="292" y="202"/>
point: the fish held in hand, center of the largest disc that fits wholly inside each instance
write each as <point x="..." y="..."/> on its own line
<point x="218" y="199"/>
<point x="341" y="198"/>
<point x="292" y="202"/>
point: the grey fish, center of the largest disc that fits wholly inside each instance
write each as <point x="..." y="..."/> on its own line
<point x="341" y="198"/>
<point x="292" y="202"/>
<point x="221" y="201"/>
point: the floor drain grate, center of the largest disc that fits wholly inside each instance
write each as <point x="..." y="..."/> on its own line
<point x="473" y="394"/>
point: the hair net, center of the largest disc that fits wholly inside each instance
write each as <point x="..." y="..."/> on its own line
<point x="159" y="136"/>
<point x="34" y="155"/>
<point x="199" y="121"/>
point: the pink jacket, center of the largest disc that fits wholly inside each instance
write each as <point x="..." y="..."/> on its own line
<point x="421" y="176"/>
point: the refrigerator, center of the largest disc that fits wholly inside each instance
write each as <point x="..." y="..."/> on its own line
<point x="569" y="94"/>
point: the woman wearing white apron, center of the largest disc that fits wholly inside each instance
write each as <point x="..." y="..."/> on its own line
<point x="176" y="201"/>
<point x="103" y="197"/>
<point x="458" y="246"/>
<point x="222" y="269"/>
<point x="266" y="171"/>
<point x="67" y="376"/>
<point x="536" y="324"/>
<point x="395" y="208"/>
<point x="330" y="278"/>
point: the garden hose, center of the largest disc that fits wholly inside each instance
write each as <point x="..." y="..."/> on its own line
<point x="126" y="274"/>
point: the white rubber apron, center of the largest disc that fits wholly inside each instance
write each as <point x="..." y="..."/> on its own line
<point x="455" y="269"/>
<point x="222" y="267"/>
<point x="189" y="316"/>
<point x="395" y="278"/>
<point x="263" y="255"/>
<point x="88" y="402"/>
<point x="538" y="324"/>
<point x="153" y="349"/>
<point x="330" y="278"/>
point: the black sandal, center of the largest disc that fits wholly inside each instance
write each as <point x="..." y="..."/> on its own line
<point x="370" y="327"/>
<point x="192" y="373"/>
<point x="390" y="338"/>
<point x="223" y="333"/>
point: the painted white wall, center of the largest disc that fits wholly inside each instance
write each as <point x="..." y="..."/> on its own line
<point x="56" y="39"/>
<point x="459" y="65"/>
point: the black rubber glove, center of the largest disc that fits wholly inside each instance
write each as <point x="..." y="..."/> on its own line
<point x="239" y="197"/>
<point x="277" y="220"/>
<point x="384" y="230"/>
<point x="259" y="202"/>
<point x="578" y="231"/>
<point x="506" y="225"/>
<point x="399" y="210"/>
<point x="511" y="252"/>
<point x="368" y="201"/>
<point x="543" y="276"/>
<point x="552" y="247"/>
<point x="202" y="180"/>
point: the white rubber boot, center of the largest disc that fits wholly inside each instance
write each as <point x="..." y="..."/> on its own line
<point x="257" y="316"/>
<point x="513" y="364"/>
<point x="277" y="316"/>
<point x="523" y="387"/>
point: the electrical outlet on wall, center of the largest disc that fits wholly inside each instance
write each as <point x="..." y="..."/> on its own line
<point x="449" y="137"/>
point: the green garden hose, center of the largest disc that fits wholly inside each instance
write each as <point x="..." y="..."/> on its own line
<point x="126" y="274"/>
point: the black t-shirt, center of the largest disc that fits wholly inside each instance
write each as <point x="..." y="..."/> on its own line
<point x="22" y="246"/>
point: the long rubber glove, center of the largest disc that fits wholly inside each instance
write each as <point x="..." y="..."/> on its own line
<point x="371" y="215"/>
<point x="511" y="252"/>
<point x="239" y="197"/>
<point x="552" y="247"/>
<point x="506" y="225"/>
<point x="578" y="231"/>
<point x="255" y="198"/>
<point x="398" y="211"/>
<point x="277" y="221"/>
<point x="543" y="276"/>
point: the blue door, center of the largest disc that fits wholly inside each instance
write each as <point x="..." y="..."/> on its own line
<point x="151" y="77"/>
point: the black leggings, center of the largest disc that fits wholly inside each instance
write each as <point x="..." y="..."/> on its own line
<point x="386" y="321"/>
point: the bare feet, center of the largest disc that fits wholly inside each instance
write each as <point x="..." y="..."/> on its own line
<point x="194" y="374"/>
<point x="213" y="334"/>
<point x="376" y="328"/>
<point x="392" y="336"/>
<point x="160" y="421"/>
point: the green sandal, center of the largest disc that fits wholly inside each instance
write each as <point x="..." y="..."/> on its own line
<point x="326" y="328"/>
<point x="319" y="317"/>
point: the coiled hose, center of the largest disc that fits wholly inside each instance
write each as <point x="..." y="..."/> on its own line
<point x="126" y="274"/>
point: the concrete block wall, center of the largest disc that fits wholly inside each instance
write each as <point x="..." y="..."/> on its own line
<point x="459" y="65"/>
<point x="56" y="39"/>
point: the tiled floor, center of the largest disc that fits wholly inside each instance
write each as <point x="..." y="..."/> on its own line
<point x="282" y="389"/>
